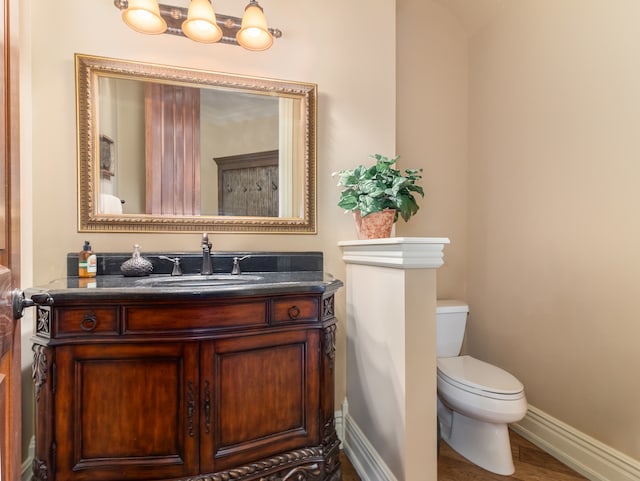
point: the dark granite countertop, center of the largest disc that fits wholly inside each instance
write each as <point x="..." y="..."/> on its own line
<point x="263" y="274"/>
<point x="164" y="286"/>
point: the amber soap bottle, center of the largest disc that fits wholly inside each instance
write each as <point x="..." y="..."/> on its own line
<point x="87" y="262"/>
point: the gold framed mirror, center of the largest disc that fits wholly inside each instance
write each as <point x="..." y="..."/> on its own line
<point x="168" y="149"/>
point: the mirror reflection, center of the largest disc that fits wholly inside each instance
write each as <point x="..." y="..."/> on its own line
<point x="163" y="148"/>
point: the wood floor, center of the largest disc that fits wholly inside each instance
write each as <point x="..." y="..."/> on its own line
<point x="531" y="463"/>
<point x="348" y="473"/>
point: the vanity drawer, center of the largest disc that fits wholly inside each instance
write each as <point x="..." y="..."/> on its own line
<point x="190" y="317"/>
<point x="86" y="321"/>
<point x="294" y="309"/>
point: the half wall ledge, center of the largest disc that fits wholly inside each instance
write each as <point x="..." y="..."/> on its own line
<point x="396" y="252"/>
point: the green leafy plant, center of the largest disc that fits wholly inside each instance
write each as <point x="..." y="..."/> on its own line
<point x="380" y="187"/>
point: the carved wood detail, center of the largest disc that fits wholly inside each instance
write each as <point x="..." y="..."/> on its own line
<point x="330" y="344"/>
<point x="191" y="408"/>
<point x="272" y="469"/>
<point x="301" y="473"/>
<point x="39" y="470"/>
<point x="328" y="307"/>
<point x="43" y="321"/>
<point x="39" y="369"/>
<point x="207" y="407"/>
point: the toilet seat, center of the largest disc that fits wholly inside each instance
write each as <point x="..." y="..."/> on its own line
<point x="480" y="378"/>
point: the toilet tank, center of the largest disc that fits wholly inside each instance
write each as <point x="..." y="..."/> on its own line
<point x="451" y="320"/>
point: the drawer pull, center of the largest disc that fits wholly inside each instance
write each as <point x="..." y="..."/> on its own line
<point x="89" y="322"/>
<point x="294" y="312"/>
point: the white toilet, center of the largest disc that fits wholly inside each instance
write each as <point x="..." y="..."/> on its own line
<point x="476" y="400"/>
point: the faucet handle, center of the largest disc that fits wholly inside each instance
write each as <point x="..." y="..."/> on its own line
<point x="205" y="240"/>
<point x="236" y="265"/>
<point x="177" y="270"/>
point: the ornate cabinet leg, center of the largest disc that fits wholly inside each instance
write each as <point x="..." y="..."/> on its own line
<point x="330" y="441"/>
<point x="42" y="372"/>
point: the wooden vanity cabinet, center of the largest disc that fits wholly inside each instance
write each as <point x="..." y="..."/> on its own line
<point x="240" y="388"/>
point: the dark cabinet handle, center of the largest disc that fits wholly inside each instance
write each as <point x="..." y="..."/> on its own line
<point x="207" y="407"/>
<point x="89" y="322"/>
<point x="294" y="312"/>
<point x="191" y="409"/>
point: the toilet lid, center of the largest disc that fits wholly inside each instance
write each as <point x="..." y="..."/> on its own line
<point x="478" y="375"/>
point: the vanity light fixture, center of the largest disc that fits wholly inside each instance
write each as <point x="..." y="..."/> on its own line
<point x="144" y="16"/>
<point x="254" y="33"/>
<point x="200" y="23"/>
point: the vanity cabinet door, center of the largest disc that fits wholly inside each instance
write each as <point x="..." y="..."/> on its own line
<point x="126" y="411"/>
<point x="260" y="397"/>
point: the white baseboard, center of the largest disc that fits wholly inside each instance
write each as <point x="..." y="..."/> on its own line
<point x="582" y="453"/>
<point x="26" y="472"/>
<point x="339" y="426"/>
<point x="363" y="456"/>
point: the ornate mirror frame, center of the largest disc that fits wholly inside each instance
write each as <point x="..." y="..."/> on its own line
<point x="90" y="68"/>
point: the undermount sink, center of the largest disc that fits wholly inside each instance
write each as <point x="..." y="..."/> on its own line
<point x="198" y="280"/>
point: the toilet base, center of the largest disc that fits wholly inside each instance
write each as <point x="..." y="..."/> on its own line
<point x="484" y="444"/>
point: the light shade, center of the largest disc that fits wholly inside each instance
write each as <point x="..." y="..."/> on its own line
<point x="200" y="24"/>
<point x="144" y="16"/>
<point x="254" y="33"/>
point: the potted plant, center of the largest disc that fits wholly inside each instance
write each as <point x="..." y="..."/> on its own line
<point x="379" y="191"/>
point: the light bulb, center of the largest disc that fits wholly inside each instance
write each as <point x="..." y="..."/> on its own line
<point x="200" y="24"/>
<point x="254" y="33"/>
<point x="144" y="16"/>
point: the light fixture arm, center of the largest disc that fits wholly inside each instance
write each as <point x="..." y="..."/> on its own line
<point x="174" y="16"/>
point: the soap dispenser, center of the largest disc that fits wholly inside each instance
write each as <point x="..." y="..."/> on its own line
<point x="87" y="262"/>
<point x="137" y="266"/>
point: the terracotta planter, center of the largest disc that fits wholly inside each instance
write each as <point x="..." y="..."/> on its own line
<point x="377" y="225"/>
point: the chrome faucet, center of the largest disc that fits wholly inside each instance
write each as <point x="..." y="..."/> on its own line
<point x="206" y="255"/>
<point x="177" y="270"/>
<point x="236" y="265"/>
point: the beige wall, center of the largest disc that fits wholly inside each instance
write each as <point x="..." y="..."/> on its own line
<point x="431" y="129"/>
<point x="538" y="110"/>
<point x="356" y="105"/>
<point x="554" y="201"/>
